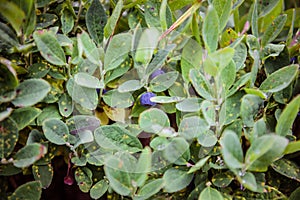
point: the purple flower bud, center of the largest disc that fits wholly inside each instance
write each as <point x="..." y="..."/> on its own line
<point x="68" y="180"/>
<point x="145" y="99"/>
<point x="156" y="73"/>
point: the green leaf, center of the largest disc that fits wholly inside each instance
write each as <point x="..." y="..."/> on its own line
<point x="159" y="58"/>
<point x="166" y="99"/>
<point x="192" y="127"/>
<point x="263" y="151"/>
<point x="43" y="173"/>
<point x="238" y="84"/>
<point x="210" y="194"/>
<point x="231" y="150"/>
<point x="164" y="81"/>
<point x="208" y="109"/>
<point x="223" y="179"/>
<point x="210" y="30"/>
<point x="117" y="51"/>
<point x="153" y="120"/>
<point x="131" y="85"/>
<point x="96" y="20"/>
<point x="24" y="116"/>
<point x="56" y="131"/>
<point x="192" y="104"/>
<point x="177" y="151"/>
<point x="116" y="99"/>
<point x="151" y="13"/>
<point x="79" y="123"/>
<point x="46" y="20"/>
<point x="207" y="138"/>
<point x="240" y="55"/>
<point x="142" y="168"/>
<point x="86" y="80"/>
<point x="30" y="92"/>
<point x="228" y="76"/>
<point x="146" y="45"/>
<point x="8" y="38"/>
<point x="8" y="137"/>
<point x="201" y="85"/>
<point x="280" y="79"/>
<point x="83" y="177"/>
<point x="65" y="105"/>
<point x="176" y="179"/>
<point x="287" y="117"/>
<point x="250" y="105"/>
<point x="178" y="4"/>
<point x="86" y="45"/>
<point x="67" y="21"/>
<point x="223" y="8"/>
<point x="248" y="180"/>
<point x="222" y="57"/>
<point x="191" y="58"/>
<point x="287" y="168"/>
<point x="117" y="173"/>
<point x="6" y="113"/>
<point x="14" y="15"/>
<point x="149" y="189"/>
<point x="49" y="47"/>
<point x="99" y="189"/>
<point x="116" y="138"/>
<point x="31" y="190"/>
<point x="27" y="155"/>
<point x="266" y="6"/>
<point x="292" y="147"/>
<point x="295" y="194"/>
<point x="273" y="29"/>
<point x="113" y="19"/>
<point x="86" y="97"/>
<point x="50" y="111"/>
<point x="199" y="164"/>
<point x="8" y="77"/>
<point x="254" y="19"/>
<point x="38" y="70"/>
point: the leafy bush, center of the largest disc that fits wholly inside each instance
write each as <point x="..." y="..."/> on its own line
<point x="150" y="99"/>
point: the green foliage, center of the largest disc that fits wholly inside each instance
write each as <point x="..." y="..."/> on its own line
<point x="222" y="121"/>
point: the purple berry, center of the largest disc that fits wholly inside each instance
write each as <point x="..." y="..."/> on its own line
<point x="145" y="99"/>
<point x="156" y="73"/>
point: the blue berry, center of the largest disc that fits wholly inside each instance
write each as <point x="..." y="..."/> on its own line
<point x="145" y="99"/>
<point x="156" y="73"/>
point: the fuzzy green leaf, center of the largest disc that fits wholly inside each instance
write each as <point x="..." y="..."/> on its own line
<point x="287" y="117"/>
<point x="56" y="131"/>
<point x="27" y="155"/>
<point x="116" y="138"/>
<point x="113" y="19"/>
<point x="83" y="177"/>
<point x="153" y="120"/>
<point x="30" y="190"/>
<point x="8" y="137"/>
<point x="149" y="189"/>
<point x="24" y="116"/>
<point x="117" y="51"/>
<point x="273" y="29"/>
<point x="43" y="173"/>
<point x="49" y="47"/>
<point x="176" y="179"/>
<point x="231" y="150"/>
<point x="210" y="30"/>
<point x="30" y="92"/>
<point x="99" y="189"/>
<point x="210" y="194"/>
<point x="96" y="20"/>
<point x="280" y="79"/>
<point x="263" y="151"/>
